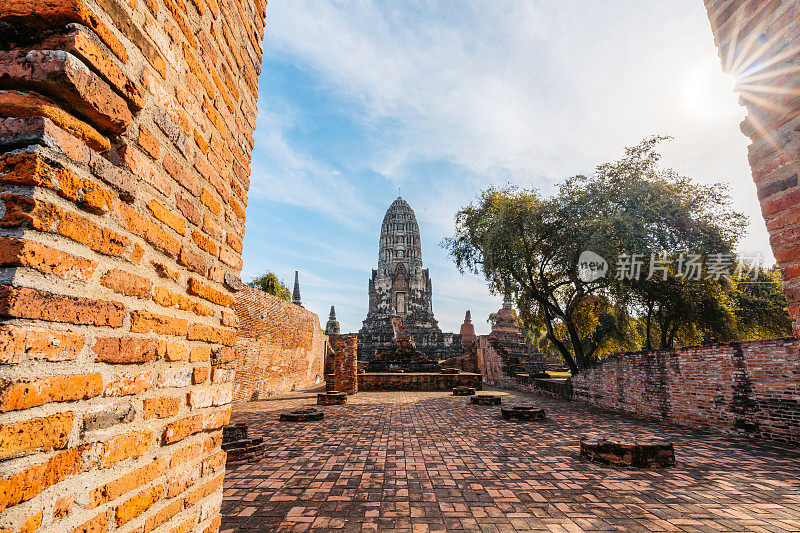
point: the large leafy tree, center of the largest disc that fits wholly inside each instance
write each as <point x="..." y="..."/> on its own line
<point x="529" y="246"/>
<point x="269" y="283"/>
<point x="760" y="306"/>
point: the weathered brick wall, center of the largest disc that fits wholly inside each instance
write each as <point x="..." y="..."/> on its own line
<point x="417" y="382"/>
<point x="280" y="346"/>
<point x="750" y="388"/>
<point x="345" y="363"/>
<point x="125" y="139"/>
<point x="757" y="41"/>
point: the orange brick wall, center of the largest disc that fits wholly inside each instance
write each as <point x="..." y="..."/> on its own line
<point x="280" y="346"/>
<point x="758" y="43"/>
<point x="749" y="388"/>
<point x="125" y="139"/>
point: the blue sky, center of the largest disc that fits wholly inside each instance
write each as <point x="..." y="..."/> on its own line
<point x="443" y="99"/>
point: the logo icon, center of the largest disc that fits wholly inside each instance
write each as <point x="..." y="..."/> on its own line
<point x="591" y="266"/>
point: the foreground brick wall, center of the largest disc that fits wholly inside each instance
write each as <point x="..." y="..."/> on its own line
<point x="750" y="388"/>
<point x="125" y="138"/>
<point x="280" y="346"/>
<point x="757" y="41"/>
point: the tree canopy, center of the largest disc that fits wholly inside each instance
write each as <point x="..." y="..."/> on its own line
<point x="666" y="234"/>
<point x="269" y="283"/>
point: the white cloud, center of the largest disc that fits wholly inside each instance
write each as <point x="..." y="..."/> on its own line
<point x="528" y="92"/>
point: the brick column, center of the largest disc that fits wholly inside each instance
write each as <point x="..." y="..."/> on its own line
<point x="345" y="366"/>
<point x="758" y="43"/>
<point x="125" y="139"/>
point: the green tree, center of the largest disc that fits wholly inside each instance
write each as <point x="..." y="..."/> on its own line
<point x="530" y="246"/>
<point x="760" y="306"/>
<point x="269" y="283"/>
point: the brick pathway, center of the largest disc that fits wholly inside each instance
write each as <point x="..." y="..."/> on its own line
<point x="409" y="461"/>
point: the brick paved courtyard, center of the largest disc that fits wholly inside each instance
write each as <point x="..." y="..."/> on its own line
<point x="411" y="461"/>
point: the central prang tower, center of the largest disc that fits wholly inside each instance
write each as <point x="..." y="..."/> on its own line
<point x="401" y="287"/>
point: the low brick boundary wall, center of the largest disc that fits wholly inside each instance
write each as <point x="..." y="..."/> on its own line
<point x="280" y="346"/>
<point x="417" y="381"/>
<point x="750" y="388"/>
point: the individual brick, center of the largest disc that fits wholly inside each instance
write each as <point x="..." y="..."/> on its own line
<point x="204" y="490"/>
<point x="62" y="75"/>
<point x="39" y="169"/>
<point x="214" y="464"/>
<point x="144" y="170"/>
<point x="204" y="243"/>
<point x="161" y="407"/>
<point x="82" y="45"/>
<point x="148" y="142"/>
<point x="45" y="216"/>
<point x="199" y="375"/>
<point x="164" y="514"/>
<point x="47" y="260"/>
<point x="200" y="354"/>
<point x="146" y="322"/>
<point x="109" y="415"/>
<point x="181" y="481"/>
<point x="175" y="377"/>
<point x="126" y="283"/>
<point x="121" y="447"/>
<point x="23" y="104"/>
<point x="128" y="383"/>
<point x="147" y="230"/>
<point x="206" y="398"/>
<point x="216" y="419"/>
<point x="202" y="332"/>
<point x="63" y="506"/>
<point x="182" y="428"/>
<point x="167" y="298"/>
<point x="188" y="209"/>
<point x="23" y="343"/>
<point x="192" y="261"/>
<point x="185" y="454"/>
<point x="97" y="524"/>
<point x="125" y="484"/>
<point x="138" y="504"/>
<point x="22" y="486"/>
<point x="16" y="394"/>
<point x="172" y="351"/>
<point x="181" y="175"/>
<point x="124" y="350"/>
<point x="167" y="217"/>
<point x="45" y="434"/>
<point x="21" y="302"/>
<point x="209" y="201"/>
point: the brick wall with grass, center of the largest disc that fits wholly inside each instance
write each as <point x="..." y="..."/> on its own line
<point x="280" y="347"/>
<point x="748" y="388"/>
<point x="125" y="139"/>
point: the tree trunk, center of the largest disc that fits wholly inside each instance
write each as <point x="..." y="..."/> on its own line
<point x="548" y="321"/>
<point x="577" y="346"/>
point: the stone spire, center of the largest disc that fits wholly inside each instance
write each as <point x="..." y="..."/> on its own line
<point x="506" y="301"/>
<point x="467" y="331"/>
<point x="296" y="291"/>
<point x="332" y="327"/>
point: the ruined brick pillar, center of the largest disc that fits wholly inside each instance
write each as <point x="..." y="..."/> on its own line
<point x="758" y="44"/>
<point x="345" y="363"/>
<point x="125" y="139"/>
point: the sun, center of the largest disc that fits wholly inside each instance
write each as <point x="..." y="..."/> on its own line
<point x="709" y="92"/>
